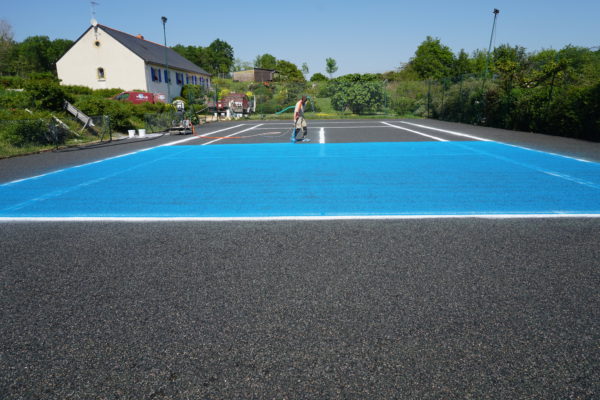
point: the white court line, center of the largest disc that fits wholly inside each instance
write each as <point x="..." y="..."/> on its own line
<point x="447" y="131"/>
<point x="296" y="218"/>
<point x="533" y="167"/>
<point x="112" y="158"/>
<point x="322" y="135"/>
<point x="418" y="133"/>
<point x="233" y="134"/>
<point x="488" y="140"/>
<point x="352" y="127"/>
<point x="199" y="136"/>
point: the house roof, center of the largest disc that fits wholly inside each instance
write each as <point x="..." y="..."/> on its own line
<point x="257" y="69"/>
<point x="152" y="52"/>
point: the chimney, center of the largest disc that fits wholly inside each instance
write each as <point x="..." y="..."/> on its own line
<point x="140" y="37"/>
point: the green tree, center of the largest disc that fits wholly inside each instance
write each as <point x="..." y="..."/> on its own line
<point x="7" y="45"/>
<point x="318" y="77"/>
<point x="305" y="69"/>
<point x="477" y="61"/>
<point x="462" y="64"/>
<point x="194" y="94"/>
<point x="220" y="56"/>
<point x="45" y="93"/>
<point x="288" y="72"/>
<point x="196" y="54"/>
<point x="240" y="65"/>
<point x="432" y="59"/>
<point x="331" y="66"/>
<point x="58" y="47"/>
<point x="265" y="61"/>
<point x="34" y="51"/>
<point x="359" y="93"/>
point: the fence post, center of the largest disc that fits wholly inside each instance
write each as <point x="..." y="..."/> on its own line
<point x="428" y="98"/>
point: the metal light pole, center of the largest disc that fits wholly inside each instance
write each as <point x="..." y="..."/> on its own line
<point x="164" y="21"/>
<point x="487" y="61"/>
<point x="487" y="58"/>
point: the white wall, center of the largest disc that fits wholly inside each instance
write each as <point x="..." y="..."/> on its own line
<point x="161" y="87"/>
<point x="122" y="68"/>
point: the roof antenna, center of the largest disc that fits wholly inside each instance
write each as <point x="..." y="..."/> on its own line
<point x="93" y="5"/>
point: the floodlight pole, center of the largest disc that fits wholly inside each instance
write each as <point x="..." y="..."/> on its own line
<point x="164" y="22"/>
<point x="487" y="58"/>
<point x="487" y="61"/>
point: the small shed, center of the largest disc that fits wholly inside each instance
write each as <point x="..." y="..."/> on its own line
<point x="254" y="75"/>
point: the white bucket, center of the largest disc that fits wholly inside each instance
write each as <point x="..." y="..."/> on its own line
<point x="131" y="133"/>
<point x="142" y="132"/>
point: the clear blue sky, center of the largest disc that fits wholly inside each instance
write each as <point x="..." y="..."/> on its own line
<point x="362" y="36"/>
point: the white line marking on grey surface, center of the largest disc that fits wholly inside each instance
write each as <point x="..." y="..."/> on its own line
<point x="114" y="157"/>
<point x="447" y="131"/>
<point x="233" y="134"/>
<point x="295" y="218"/>
<point x="199" y="136"/>
<point x="415" y="132"/>
<point x="533" y="167"/>
<point x="353" y="127"/>
<point x="322" y="135"/>
<point x="489" y="140"/>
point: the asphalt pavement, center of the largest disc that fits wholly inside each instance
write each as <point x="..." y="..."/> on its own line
<point x="470" y="308"/>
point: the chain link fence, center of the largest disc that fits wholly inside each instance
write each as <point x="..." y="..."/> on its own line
<point x="53" y="131"/>
<point x="557" y="106"/>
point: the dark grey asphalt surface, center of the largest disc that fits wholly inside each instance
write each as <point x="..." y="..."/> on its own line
<point x="277" y="132"/>
<point x="412" y="309"/>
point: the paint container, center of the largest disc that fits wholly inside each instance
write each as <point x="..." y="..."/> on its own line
<point x="131" y="133"/>
<point x="142" y="132"/>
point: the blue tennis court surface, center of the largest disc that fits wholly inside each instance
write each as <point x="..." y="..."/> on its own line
<point x="284" y="180"/>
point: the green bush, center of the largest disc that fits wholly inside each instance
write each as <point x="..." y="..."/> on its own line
<point x="46" y="94"/>
<point x="75" y="90"/>
<point x="10" y="99"/>
<point x="107" y="93"/>
<point x="12" y="82"/>
<point x="24" y="132"/>
<point x="118" y="112"/>
<point x="123" y="115"/>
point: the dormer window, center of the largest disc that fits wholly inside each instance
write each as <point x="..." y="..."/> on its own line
<point x="101" y="75"/>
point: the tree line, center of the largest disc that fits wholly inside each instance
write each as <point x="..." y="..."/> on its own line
<point x="548" y="91"/>
<point x="33" y="55"/>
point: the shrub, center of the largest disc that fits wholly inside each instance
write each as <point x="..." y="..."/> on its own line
<point x="118" y="112"/>
<point x="12" y="82"/>
<point x="13" y="100"/>
<point x="107" y="93"/>
<point x="46" y="94"/>
<point x="24" y="132"/>
<point x="75" y="90"/>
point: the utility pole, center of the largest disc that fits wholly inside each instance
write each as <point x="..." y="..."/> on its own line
<point x="487" y="58"/>
<point x="164" y="21"/>
<point x="487" y="61"/>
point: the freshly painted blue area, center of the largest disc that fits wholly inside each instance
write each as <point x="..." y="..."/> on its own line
<point x="310" y="180"/>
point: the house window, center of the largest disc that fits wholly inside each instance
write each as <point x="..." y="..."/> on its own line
<point x="167" y="76"/>
<point x="100" y="73"/>
<point x="154" y="74"/>
<point x="194" y="80"/>
<point x="187" y="79"/>
<point x="179" y="78"/>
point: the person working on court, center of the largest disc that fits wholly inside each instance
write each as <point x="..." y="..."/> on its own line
<point x="299" y="121"/>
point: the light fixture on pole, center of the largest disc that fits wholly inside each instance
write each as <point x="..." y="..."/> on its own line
<point x="487" y="59"/>
<point x="167" y="78"/>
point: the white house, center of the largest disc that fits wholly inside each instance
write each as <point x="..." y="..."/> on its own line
<point x="107" y="58"/>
